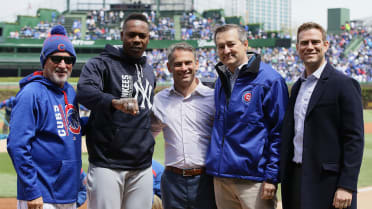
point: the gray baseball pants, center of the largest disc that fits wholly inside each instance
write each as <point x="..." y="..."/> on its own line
<point x="119" y="189"/>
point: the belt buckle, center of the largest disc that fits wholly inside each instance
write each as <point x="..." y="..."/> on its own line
<point x="184" y="172"/>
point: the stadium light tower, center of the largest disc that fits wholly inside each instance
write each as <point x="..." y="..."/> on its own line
<point x="157" y="7"/>
<point x="68" y="5"/>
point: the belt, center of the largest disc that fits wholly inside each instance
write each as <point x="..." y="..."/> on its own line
<point x="186" y="172"/>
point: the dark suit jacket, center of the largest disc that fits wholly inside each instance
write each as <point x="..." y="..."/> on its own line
<point x="332" y="144"/>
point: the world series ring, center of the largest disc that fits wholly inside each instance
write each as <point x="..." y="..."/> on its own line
<point x="130" y="106"/>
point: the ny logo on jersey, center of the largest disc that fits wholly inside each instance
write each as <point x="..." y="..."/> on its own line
<point x="145" y="92"/>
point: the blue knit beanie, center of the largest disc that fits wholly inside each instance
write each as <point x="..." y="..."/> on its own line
<point x="56" y="42"/>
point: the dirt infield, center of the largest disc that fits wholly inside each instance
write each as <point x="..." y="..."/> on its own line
<point x="368" y="128"/>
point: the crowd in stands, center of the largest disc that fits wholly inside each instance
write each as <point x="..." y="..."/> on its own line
<point x="357" y="64"/>
<point x="286" y="61"/>
<point x="199" y="28"/>
<point x="163" y="30"/>
<point x="106" y="24"/>
<point x="40" y="31"/>
<point x="207" y="59"/>
<point x="102" y="24"/>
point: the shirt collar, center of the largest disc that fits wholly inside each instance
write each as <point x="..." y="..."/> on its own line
<point x="251" y="58"/>
<point x="200" y="89"/>
<point x="317" y="73"/>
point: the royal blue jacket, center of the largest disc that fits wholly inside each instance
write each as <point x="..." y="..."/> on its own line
<point x="8" y="104"/>
<point x="82" y="194"/>
<point x="157" y="172"/>
<point x="45" y="141"/>
<point x="245" y="140"/>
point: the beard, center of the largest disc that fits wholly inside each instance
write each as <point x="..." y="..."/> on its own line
<point x="57" y="78"/>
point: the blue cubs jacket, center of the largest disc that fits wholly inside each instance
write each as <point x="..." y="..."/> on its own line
<point x="245" y="140"/>
<point x="8" y="104"/>
<point x="82" y="194"/>
<point x="157" y="172"/>
<point x="45" y="141"/>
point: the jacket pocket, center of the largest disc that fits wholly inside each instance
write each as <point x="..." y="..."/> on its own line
<point x="67" y="183"/>
<point x="332" y="167"/>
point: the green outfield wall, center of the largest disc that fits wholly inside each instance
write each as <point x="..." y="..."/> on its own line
<point x="153" y="44"/>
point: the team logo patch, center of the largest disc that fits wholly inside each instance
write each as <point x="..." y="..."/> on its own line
<point x="247" y="96"/>
<point x="73" y="119"/>
<point x="61" y="47"/>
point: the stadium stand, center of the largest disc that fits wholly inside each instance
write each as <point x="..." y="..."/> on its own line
<point x="357" y="63"/>
<point x="20" y="44"/>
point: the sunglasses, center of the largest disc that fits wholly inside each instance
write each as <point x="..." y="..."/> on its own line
<point x="57" y="59"/>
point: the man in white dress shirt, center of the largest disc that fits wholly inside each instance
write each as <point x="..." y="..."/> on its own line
<point x="185" y="112"/>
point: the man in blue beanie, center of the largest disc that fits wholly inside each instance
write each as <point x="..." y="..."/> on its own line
<point x="45" y="131"/>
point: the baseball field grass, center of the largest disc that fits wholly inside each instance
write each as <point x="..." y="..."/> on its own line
<point x="8" y="179"/>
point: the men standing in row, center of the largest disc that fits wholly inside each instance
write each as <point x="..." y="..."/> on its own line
<point x="323" y="139"/>
<point x="184" y="112"/>
<point x="250" y="100"/>
<point x="119" y="140"/>
<point x="45" y="132"/>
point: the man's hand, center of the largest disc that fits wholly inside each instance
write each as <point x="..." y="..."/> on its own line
<point x="35" y="204"/>
<point x="268" y="191"/>
<point x="342" y="198"/>
<point x="126" y="105"/>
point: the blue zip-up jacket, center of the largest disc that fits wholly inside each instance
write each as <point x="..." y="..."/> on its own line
<point x="45" y="141"/>
<point x="245" y="140"/>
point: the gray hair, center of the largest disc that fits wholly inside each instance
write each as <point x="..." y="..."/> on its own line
<point x="241" y="32"/>
<point x="179" y="46"/>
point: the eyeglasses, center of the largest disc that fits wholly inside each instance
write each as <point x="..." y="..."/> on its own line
<point x="57" y="59"/>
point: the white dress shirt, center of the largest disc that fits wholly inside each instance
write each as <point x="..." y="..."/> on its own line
<point x="186" y="123"/>
<point x="302" y="101"/>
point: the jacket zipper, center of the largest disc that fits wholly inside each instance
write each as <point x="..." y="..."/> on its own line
<point x="226" y="106"/>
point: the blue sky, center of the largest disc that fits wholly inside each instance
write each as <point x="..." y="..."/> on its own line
<point x="316" y="10"/>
